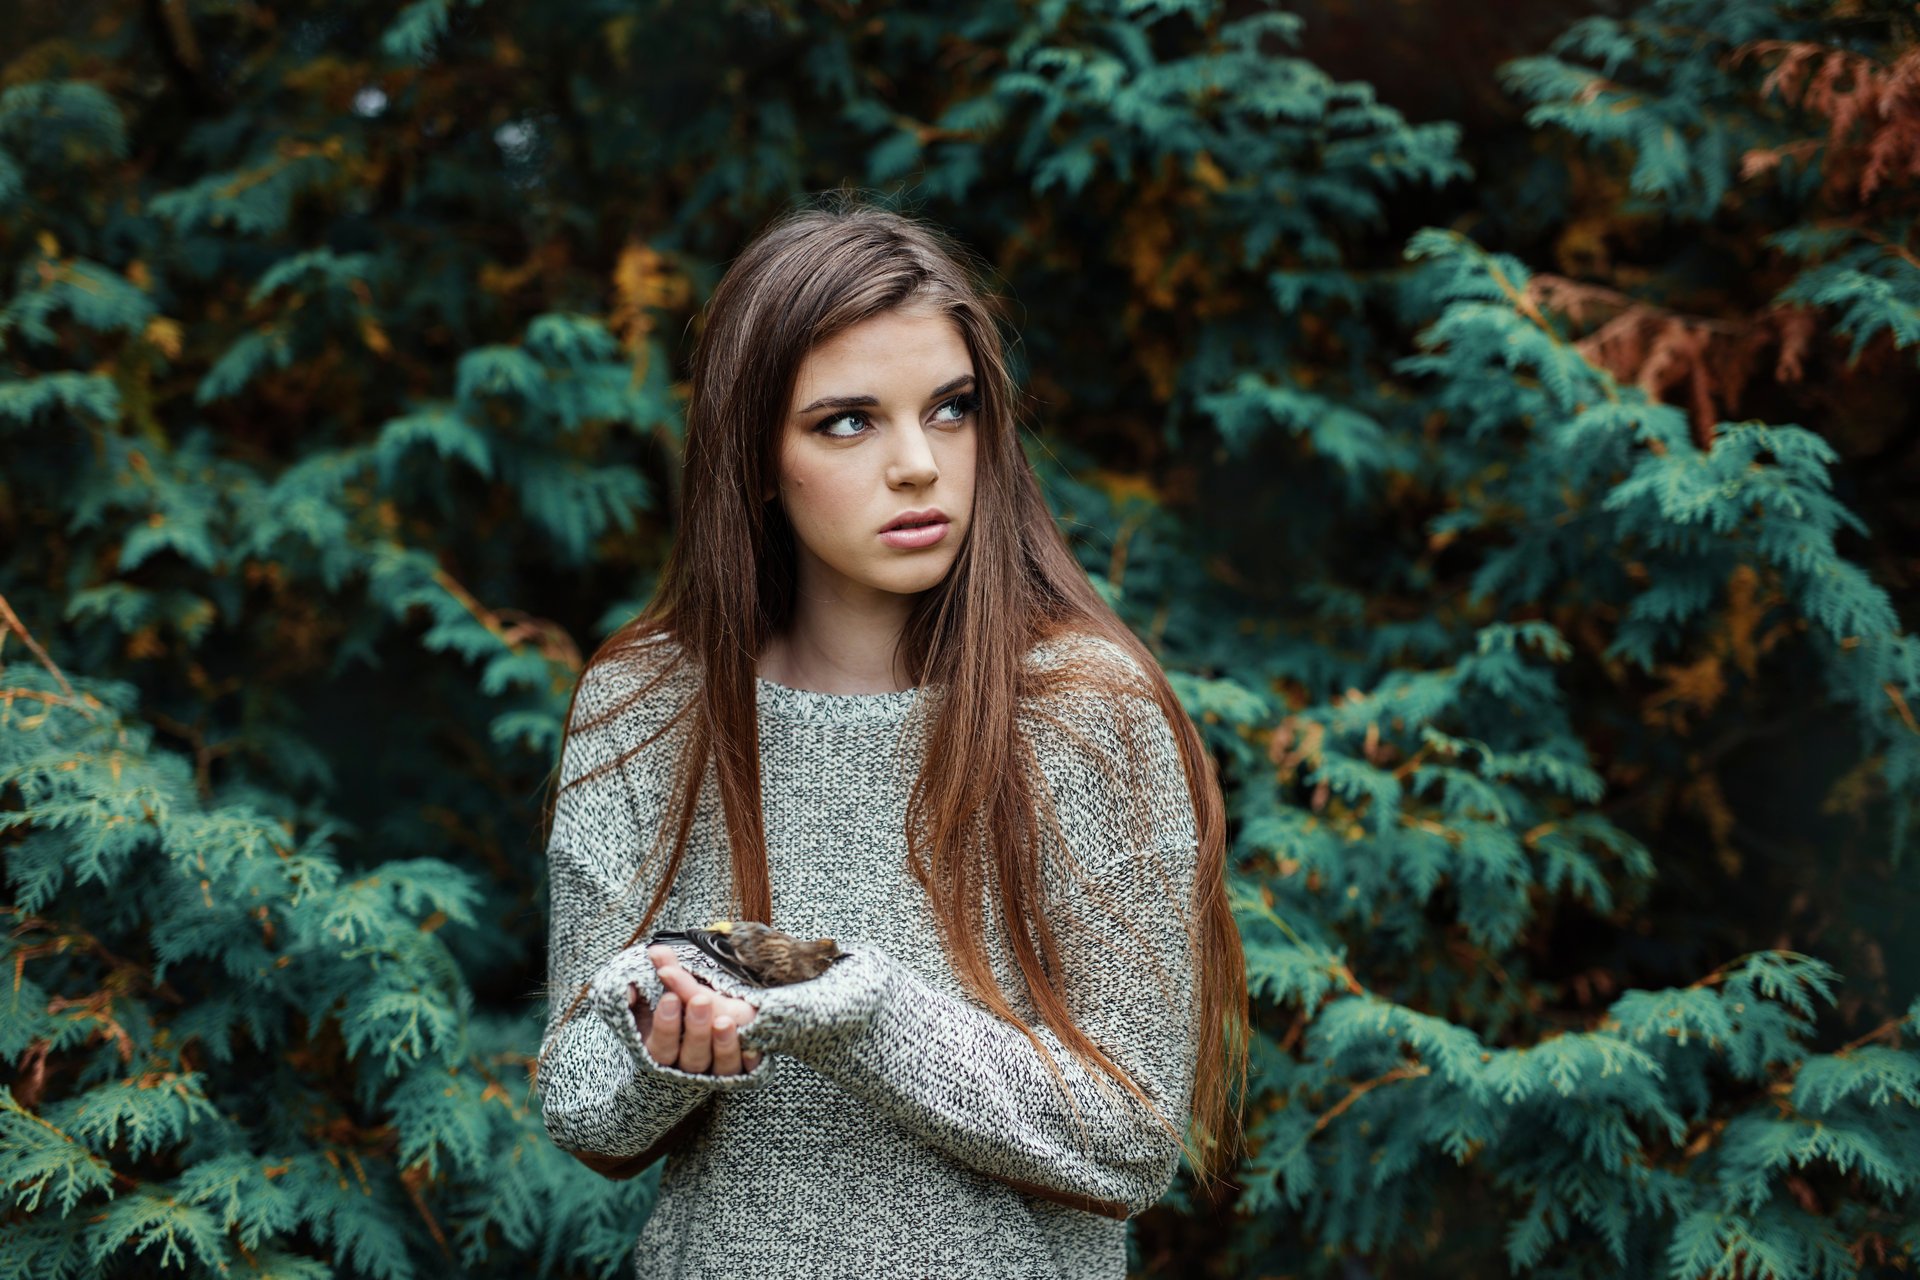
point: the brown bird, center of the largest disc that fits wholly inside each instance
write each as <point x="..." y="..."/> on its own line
<point x="759" y="953"/>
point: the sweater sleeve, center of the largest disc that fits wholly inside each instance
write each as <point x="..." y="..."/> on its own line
<point x="602" y="1093"/>
<point x="973" y="1085"/>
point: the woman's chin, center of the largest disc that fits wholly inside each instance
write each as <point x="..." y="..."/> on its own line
<point x="911" y="580"/>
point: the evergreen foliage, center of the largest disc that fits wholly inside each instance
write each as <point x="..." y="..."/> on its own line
<point x="1523" y="512"/>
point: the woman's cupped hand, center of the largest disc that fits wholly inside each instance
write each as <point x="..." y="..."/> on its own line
<point x="695" y="1029"/>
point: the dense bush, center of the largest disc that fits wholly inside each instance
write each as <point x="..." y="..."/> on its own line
<point x="1523" y="511"/>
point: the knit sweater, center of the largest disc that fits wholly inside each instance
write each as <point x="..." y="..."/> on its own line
<point x="893" y="1126"/>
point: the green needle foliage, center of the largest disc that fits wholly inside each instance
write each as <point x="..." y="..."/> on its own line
<point x="1522" y="508"/>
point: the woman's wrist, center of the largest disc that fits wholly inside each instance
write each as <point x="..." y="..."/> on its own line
<point x="803" y="1017"/>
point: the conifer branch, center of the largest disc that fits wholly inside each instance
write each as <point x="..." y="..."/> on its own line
<point x="1336" y="968"/>
<point x="12" y="623"/>
<point x="1405" y="1071"/>
<point x="411" y="1178"/>
<point x="514" y="628"/>
<point x="1891" y="1028"/>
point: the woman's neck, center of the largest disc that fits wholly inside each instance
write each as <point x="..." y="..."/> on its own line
<point x="847" y="662"/>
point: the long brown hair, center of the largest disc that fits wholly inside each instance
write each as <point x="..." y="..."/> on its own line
<point x="812" y="273"/>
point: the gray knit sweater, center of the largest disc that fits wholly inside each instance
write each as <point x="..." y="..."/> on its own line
<point x="894" y="1126"/>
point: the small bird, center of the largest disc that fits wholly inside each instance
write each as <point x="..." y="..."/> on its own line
<point x="759" y="953"/>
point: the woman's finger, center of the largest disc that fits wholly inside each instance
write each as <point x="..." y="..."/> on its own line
<point x="726" y="1047"/>
<point x="687" y="986"/>
<point x="677" y="979"/>
<point x="642" y="1011"/>
<point x="663" y="1038"/>
<point x="696" y="1035"/>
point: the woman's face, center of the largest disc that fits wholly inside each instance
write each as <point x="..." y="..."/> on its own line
<point x="883" y="421"/>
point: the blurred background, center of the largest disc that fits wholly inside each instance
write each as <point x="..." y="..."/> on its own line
<point x="1497" y="417"/>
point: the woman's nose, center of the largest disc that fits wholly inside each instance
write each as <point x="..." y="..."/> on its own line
<point x="913" y="458"/>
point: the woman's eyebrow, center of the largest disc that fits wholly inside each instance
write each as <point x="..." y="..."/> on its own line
<point x="867" y="402"/>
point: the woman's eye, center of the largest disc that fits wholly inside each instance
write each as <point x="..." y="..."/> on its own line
<point x="961" y="407"/>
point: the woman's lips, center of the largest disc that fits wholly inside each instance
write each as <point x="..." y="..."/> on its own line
<point x="915" y="536"/>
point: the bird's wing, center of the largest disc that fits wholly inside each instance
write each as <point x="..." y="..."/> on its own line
<point x="714" y="947"/>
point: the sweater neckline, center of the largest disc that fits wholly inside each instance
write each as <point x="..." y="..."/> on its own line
<point x="785" y="702"/>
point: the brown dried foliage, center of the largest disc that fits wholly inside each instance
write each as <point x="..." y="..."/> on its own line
<point x="1853" y="91"/>
<point x="1706" y="363"/>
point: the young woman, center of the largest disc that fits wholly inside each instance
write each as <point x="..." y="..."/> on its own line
<point x="876" y="699"/>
